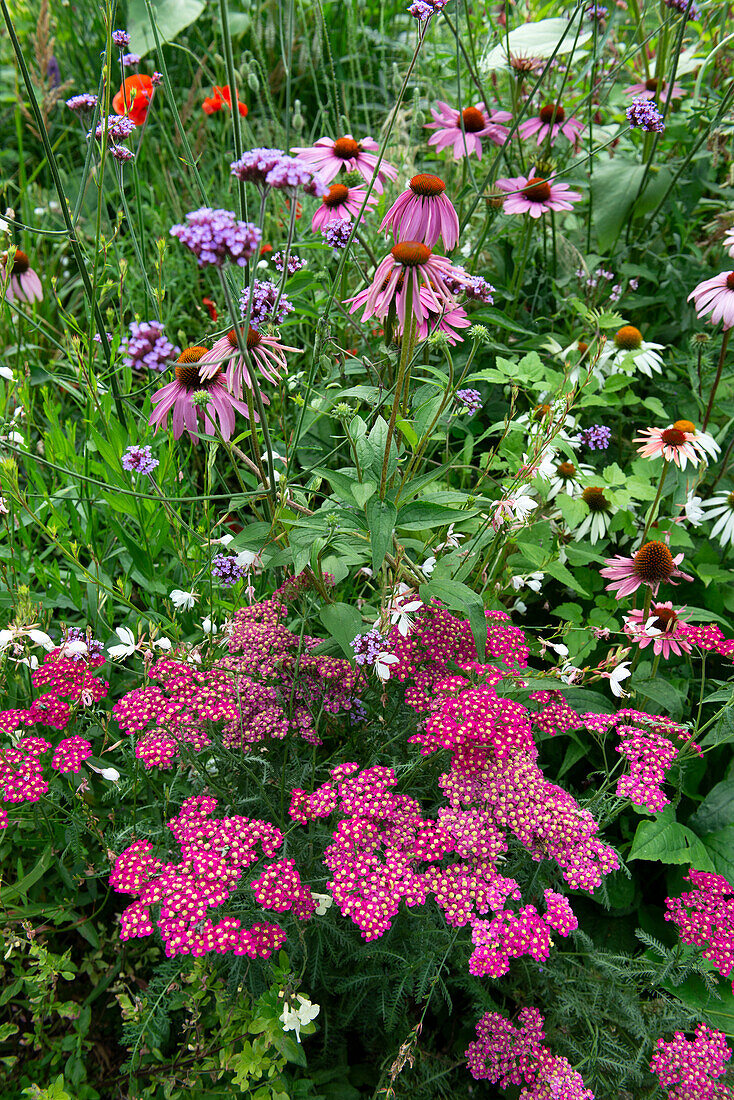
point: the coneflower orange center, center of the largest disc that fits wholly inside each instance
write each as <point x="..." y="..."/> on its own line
<point x="425" y="184"/>
<point x="664" y="618"/>
<point x="187" y="373"/>
<point x="253" y="338"/>
<point x="594" y="497"/>
<point x="552" y="112"/>
<point x="411" y="253"/>
<point x="337" y="195"/>
<point x="651" y="85"/>
<point x="628" y="338"/>
<point x="473" y="120"/>
<point x="673" y="437"/>
<point x="346" y="148"/>
<point x="729" y="280"/>
<point x="582" y="347"/>
<point x="540" y="411"/>
<point x="537" y="190"/>
<point x="685" y="426"/>
<point x="566" y="469"/>
<point x="653" y="563"/>
<point x="21" y="263"/>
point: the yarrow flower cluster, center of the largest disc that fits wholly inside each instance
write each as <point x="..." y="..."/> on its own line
<point x="264" y="299"/>
<point x="70" y="754"/>
<point x="146" y="347"/>
<point x="139" y="460"/>
<point x="688" y="1069"/>
<point x="216" y="236"/>
<point x="704" y="917"/>
<point x="645" y="115"/>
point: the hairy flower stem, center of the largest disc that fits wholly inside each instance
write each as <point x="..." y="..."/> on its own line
<point x="408" y="328"/>
<point x="717" y="379"/>
<point x="653" y="507"/>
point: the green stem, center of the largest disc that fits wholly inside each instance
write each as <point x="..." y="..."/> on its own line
<point x="653" y="506"/>
<point x="408" y="327"/>
<point x="234" y="100"/>
<point x="717" y="379"/>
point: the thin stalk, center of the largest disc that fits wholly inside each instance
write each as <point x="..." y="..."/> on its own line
<point x="408" y="328"/>
<point x="234" y="100"/>
<point x="717" y="379"/>
<point x="653" y="507"/>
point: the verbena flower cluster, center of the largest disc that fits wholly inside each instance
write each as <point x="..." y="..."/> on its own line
<point x="216" y="236"/>
<point x="146" y="347"/>
<point x="644" y="113"/>
<point x="264" y="299"/>
<point x="139" y="460"/>
<point x="596" y="438"/>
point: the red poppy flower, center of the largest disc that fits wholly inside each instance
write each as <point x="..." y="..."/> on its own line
<point x="212" y="307"/>
<point x="133" y="98"/>
<point x="222" y="97"/>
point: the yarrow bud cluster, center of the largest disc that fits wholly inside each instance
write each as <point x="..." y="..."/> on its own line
<point x="146" y="347"/>
<point x="704" y="918"/>
<point x="688" y="1069"/>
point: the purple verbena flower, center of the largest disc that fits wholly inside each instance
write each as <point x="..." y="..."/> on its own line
<point x="469" y="400"/>
<point x="98" y="339"/>
<point x="367" y="647"/>
<point x="290" y="173"/>
<point x="227" y="570"/>
<point x="690" y="10"/>
<point x="139" y="460"/>
<point x="295" y="263"/>
<point x="597" y="437"/>
<point x="424" y="9"/>
<point x="76" y="634"/>
<point x="129" y="59"/>
<point x="156" y="79"/>
<point x="254" y="165"/>
<point x="336" y="234"/>
<point x="119" y="127"/>
<point x="264" y="298"/>
<point x="215" y="236"/>
<point x="473" y="287"/>
<point x="596" y="11"/>
<point x="644" y="114"/>
<point x="147" y="347"/>
<point x="121" y="153"/>
<point x="121" y="39"/>
<point x="53" y="72"/>
<point x="86" y="101"/>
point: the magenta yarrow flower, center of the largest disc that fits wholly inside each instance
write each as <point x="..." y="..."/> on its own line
<point x="328" y="157"/>
<point x="549" y="123"/>
<point x="648" y="89"/>
<point x="465" y="129"/>
<point x="341" y="203"/>
<point x="663" y="628"/>
<point x="673" y="444"/>
<point x="534" y="196"/>
<point x="651" y="565"/>
<point x="424" y="213"/>
<point x="215" y="236"/>
<point x="24" y="284"/>
<point x="176" y="398"/>
<point x="716" y="296"/>
<point x="266" y="352"/>
<point x="414" y="261"/>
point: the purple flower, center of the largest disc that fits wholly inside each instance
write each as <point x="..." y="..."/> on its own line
<point x="215" y="236"/>
<point x="147" y="347"/>
<point x="254" y="165"/>
<point x="596" y="11"/>
<point x="87" y="101"/>
<point x="424" y="9"/>
<point x="98" y="339"/>
<point x="469" y="400"/>
<point x="139" y="460"/>
<point x="336" y="234"/>
<point x="53" y="72"/>
<point x="597" y="437"/>
<point x="227" y="570"/>
<point x="290" y="173"/>
<point x="473" y="287"/>
<point x="119" y="127"/>
<point x="129" y="59"/>
<point x="75" y="634"/>
<point x="121" y="39"/>
<point x="367" y="647"/>
<point x="644" y="113"/>
<point x="295" y="263"/>
<point x="121" y="153"/>
<point x="264" y="297"/>
<point x="691" y="11"/>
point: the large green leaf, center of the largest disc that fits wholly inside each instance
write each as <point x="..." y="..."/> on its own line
<point x="665" y="840"/>
<point x="716" y="811"/>
<point x="424" y="514"/>
<point x="171" y="16"/>
<point x="381" y="520"/>
<point x="614" y="186"/>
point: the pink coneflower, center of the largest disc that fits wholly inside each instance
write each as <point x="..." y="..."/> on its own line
<point x="24" y="285"/>
<point x="447" y="122"/>
<point x="534" y="196"/>
<point x="448" y="322"/>
<point x="328" y="156"/>
<point x="652" y="564"/>
<point x="674" y="444"/>
<point x="423" y="213"/>
<point x="341" y="203"/>
<point x="728" y="241"/>
<point x="267" y="353"/>
<point x="410" y="260"/>
<point x="663" y="628"/>
<point x="549" y="122"/>
<point x="178" y="397"/>
<point x="648" y="90"/>
<point x="716" y="296"/>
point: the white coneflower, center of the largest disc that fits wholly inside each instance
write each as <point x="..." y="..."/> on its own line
<point x="601" y="510"/>
<point x="626" y="347"/>
<point x="721" y="508"/>
<point x="566" y="478"/>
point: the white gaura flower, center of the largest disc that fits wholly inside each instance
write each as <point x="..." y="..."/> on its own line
<point x="127" y="645"/>
<point x="601" y="510"/>
<point x="403" y="606"/>
<point x="694" y="512"/>
<point x="6" y="372"/>
<point x="566" y="478"/>
<point x="295" y="1016"/>
<point x="627" y="349"/>
<point x="249" y="559"/>
<point x="15" y="633"/>
<point x="621" y="672"/>
<point x="224" y="541"/>
<point x="511" y="508"/>
<point x="324" y="902"/>
<point x="209" y="627"/>
<point x="542" y="465"/>
<point x="383" y="661"/>
<point x="183" y="600"/>
<point x="451" y="541"/>
<point x="428" y="566"/>
<point x="721" y="508"/>
<point x="162" y="643"/>
<point x="570" y="673"/>
<point x="110" y="774"/>
<point x="534" y="582"/>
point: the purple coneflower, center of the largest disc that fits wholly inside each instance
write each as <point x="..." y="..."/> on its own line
<point x="549" y="123"/>
<point x="535" y="196"/>
<point x="424" y="213"/>
<point x="340" y="203"/>
<point x="177" y="398"/>
<point x="715" y="296"/>
<point x="328" y="157"/>
<point x="477" y="124"/>
<point x="648" y="89"/>
<point x="414" y="261"/>
<point x="651" y="565"/>
<point x="266" y="352"/>
<point x="24" y="284"/>
<point x="215" y="236"/>
<point x="663" y="628"/>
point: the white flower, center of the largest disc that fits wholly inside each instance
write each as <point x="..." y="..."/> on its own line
<point x="644" y="357"/>
<point x="224" y="541"/>
<point x="542" y="465"/>
<point x="534" y="581"/>
<point x="4" y="510"/>
<point x="570" y="673"/>
<point x="596" y="522"/>
<point x="621" y="672"/>
<point x="520" y="606"/>
<point x="294" y="1018"/>
<point x="324" y="902"/>
<point x="75" y="649"/>
<point x="512" y="508"/>
<point x="694" y="511"/>
<point x="565" y="478"/>
<point x="181" y="599"/>
<point x="276" y="458"/>
<point x="428" y="566"/>
<point x="559" y="648"/>
<point x="30" y="662"/>
<point x="13" y="633"/>
<point x="728" y="242"/>
<point x="110" y="774"/>
<point x="16" y="437"/>
<point x="382" y="665"/>
<point x="40" y="638"/>
<point x="249" y="559"/>
<point x="162" y="643"/>
<point x="451" y="541"/>
<point x="127" y="646"/>
<point x="6" y="372"/>
<point x="402" y="609"/>
<point x="209" y="627"/>
<point x="721" y="508"/>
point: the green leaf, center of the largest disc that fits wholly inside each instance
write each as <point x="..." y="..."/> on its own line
<point x="171" y="16"/>
<point x="426" y="514"/>
<point x="362" y="491"/>
<point x="614" y="186"/>
<point x="664" y="840"/>
<point x="723" y="732"/>
<point x="381" y="515"/>
<point x="720" y="847"/>
<point x="662" y="692"/>
<point x="572" y="509"/>
<point x="290" y="1049"/>
<point x="717" y="809"/>
<point x="459" y="597"/>
<point x="343" y="622"/>
<point x="408" y="431"/>
<point x="716" y="1009"/>
<point x="555" y="569"/>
